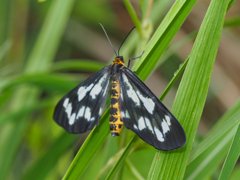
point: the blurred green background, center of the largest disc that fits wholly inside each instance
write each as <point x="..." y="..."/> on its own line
<point x="47" y="48"/>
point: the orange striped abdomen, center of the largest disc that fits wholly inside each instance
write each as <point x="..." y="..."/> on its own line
<point x="115" y="114"/>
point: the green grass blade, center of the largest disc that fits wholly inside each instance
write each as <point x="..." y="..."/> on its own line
<point x="4" y="48"/>
<point x="42" y="53"/>
<point x="84" y="65"/>
<point x="10" y="139"/>
<point x="231" y="2"/>
<point x="4" y="20"/>
<point x="232" y="22"/>
<point x="40" y="169"/>
<point x="232" y="157"/>
<point x="107" y="165"/>
<point x="207" y="155"/>
<point x="50" y="82"/>
<point x="232" y="110"/>
<point x="50" y="36"/>
<point x="174" y="79"/>
<point x="25" y="110"/>
<point x="229" y="120"/>
<point x="192" y="92"/>
<point x="122" y="158"/>
<point x="205" y="164"/>
<point x="173" y="48"/>
<point x="145" y="9"/>
<point x="159" y="9"/>
<point x="236" y="173"/>
<point x="163" y="36"/>
<point x="134" y="171"/>
<point x="89" y="148"/>
<point x="133" y="15"/>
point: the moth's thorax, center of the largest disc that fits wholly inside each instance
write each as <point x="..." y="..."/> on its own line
<point x="115" y="121"/>
<point x="118" y="60"/>
<point x="116" y="65"/>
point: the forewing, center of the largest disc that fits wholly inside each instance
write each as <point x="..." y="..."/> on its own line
<point x="144" y="114"/>
<point x="80" y="109"/>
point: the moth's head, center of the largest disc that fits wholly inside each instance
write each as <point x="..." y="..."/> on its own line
<point x="120" y="58"/>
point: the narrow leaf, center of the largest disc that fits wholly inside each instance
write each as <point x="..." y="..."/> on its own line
<point x="192" y="92"/>
<point x="232" y="157"/>
<point x="122" y="158"/>
<point x="84" y="65"/>
<point x="40" y="169"/>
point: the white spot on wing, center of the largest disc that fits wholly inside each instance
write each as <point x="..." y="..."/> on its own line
<point x="127" y="114"/>
<point x="106" y="88"/>
<point x="165" y="127"/>
<point x="87" y="114"/>
<point x="92" y="119"/>
<point x="135" y="127"/>
<point x="121" y="95"/>
<point x="147" y="102"/>
<point x="158" y="134"/>
<point x="82" y="91"/>
<point x="72" y="119"/>
<point x="97" y="88"/>
<point x="168" y="120"/>
<point x="81" y="111"/>
<point x="141" y="124"/>
<point x="100" y="112"/>
<point x="65" y="103"/>
<point x="123" y="114"/>
<point x="149" y="124"/>
<point x="69" y="110"/>
<point x="131" y="93"/>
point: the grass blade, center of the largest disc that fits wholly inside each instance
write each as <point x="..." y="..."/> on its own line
<point x="232" y="22"/>
<point x="74" y="64"/>
<point x="50" y="158"/>
<point x="232" y="157"/>
<point x="122" y="158"/>
<point x="44" y="81"/>
<point x="89" y="148"/>
<point x="231" y="2"/>
<point x="133" y="15"/>
<point x="208" y="155"/>
<point x="163" y="36"/>
<point x="42" y="53"/>
<point x="221" y="129"/>
<point x="192" y="92"/>
<point x="205" y="164"/>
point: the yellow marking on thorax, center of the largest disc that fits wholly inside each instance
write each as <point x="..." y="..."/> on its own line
<point x="117" y="117"/>
<point x="117" y="61"/>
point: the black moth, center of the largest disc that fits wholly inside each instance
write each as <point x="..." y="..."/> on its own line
<point x="132" y="104"/>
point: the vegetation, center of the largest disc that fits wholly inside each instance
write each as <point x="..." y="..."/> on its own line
<point x="48" y="47"/>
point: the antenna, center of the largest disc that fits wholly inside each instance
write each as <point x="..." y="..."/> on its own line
<point x="108" y="38"/>
<point x="125" y="39"/>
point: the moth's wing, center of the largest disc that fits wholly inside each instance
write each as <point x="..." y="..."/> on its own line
<point x="144" y="114"/>
<point x="80" y="109"/>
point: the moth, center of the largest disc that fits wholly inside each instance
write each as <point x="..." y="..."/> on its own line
<point x="133" y="105"/>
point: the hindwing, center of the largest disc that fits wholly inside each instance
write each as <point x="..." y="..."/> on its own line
<point x="145" y="114"/>
<point x="81" y="109"/>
